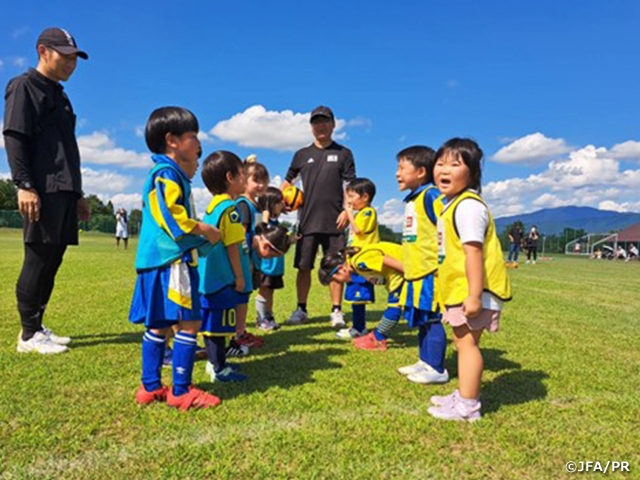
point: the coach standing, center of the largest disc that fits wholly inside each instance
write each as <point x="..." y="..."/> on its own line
<point x="39" y="135"/>
<point x="324" y="167"/>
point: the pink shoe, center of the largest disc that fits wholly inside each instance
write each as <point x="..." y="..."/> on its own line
<point x="194" y="398"/>
<point x="460" y="410"/>
<point x="443" y="400"/>
<point x="369" y="342"/>
<point x="144" y="397"/>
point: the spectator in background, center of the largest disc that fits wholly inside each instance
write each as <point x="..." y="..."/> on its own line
<point x="122" y="230"/>
<point x="515" y="237"/>
<point x="532" y="245"/>
<point x="633" y="252"/>
<point x="621" y="253"/>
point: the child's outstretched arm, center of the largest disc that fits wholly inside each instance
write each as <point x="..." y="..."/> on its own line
<point x="393" y="263"/>
<point x="474" y="266"/>
<point x="209" y="232"/>
<point x="234" y="257"/>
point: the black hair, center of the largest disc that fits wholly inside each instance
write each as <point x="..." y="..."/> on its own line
<point x="163" y="120"/>
<point x="255" y="169"/>
<point x="470" y="153"/>
<point x="269" y="199"/>
<point x="277" y="235"/>
<point x="419" y="156"/>
<point x="362" y="186"/>
<point x="215" y="169"/>
<point x="333" y="260"/>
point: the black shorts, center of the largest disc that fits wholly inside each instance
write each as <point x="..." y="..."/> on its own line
<point x="58" y="224"/>
<point x="307" y="248"/>
<point x="272" y="282"/>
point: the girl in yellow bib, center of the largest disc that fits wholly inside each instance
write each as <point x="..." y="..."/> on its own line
<point x="472" y="274"/>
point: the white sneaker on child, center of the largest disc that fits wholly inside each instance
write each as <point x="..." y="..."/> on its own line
<point x="350" y="333"/>
<point x="428" y="375"/>
<point x="298" y="317"/>
<point x="459" y="409"/>
<point x="337" y="319"/>
<point x="409" y="369"/>
<point x="39" y="343"/>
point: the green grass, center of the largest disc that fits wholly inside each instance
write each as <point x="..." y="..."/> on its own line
<point x="560" y="384"/>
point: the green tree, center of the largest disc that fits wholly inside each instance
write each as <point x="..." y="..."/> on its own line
<point x="135" y="221"/>
<point x="8" y="195"/>
<point x="388" y="235"/>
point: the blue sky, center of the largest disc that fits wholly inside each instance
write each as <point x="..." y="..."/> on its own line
<point x="548" y="89"/>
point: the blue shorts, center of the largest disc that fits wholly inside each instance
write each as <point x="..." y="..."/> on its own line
<point x="417" y="318"/>
<point x="157" y="304"/>
<point x="219" y="311"/>
<point x="359" y="290"/>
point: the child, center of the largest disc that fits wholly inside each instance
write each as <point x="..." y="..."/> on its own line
<point x="380" y="264"/>
<point x="225" y="269"/>
<point x="256" y="181"/>
<point x="165" y="292"/>
<point x="420" y="260"/>
<point x="271" y="270"/>
<point x="363" y="231"/>
<point x="472" y="272"/>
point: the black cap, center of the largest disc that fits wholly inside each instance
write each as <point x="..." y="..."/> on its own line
<point x="322" y="111"/>
<point x="61" y="41"/>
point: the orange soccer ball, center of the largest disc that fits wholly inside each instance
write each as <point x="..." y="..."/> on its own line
<point x="293" y="197"/>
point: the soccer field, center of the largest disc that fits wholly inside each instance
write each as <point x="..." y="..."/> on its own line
<point x="560" y="384"/>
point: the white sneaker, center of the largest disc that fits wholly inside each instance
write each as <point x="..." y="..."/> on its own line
<point x="55" y="338"/>
<point x="429" y="375"/>
<point x="415" y="368"/>
<point x="298" y="317"/>
<point x="350" y="333"/>
<point x="337" y="319"/>
<point x="39" y="343"/>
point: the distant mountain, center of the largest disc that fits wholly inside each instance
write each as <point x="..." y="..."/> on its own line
<point x="555" y="220"/>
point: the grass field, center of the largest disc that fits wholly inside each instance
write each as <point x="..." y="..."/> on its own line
<point x="560" y="385"/>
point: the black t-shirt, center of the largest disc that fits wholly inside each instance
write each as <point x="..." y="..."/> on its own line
<point x="39" y="129"/>
<point x="323" y="172"/>
<point x="516" y="234"/>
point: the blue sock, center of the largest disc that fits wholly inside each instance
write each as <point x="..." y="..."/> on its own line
<point x="433" y="345"/>
<point x="152" y="356"/>
<point x="359" y="312"/>
<point x="184" y="356"/>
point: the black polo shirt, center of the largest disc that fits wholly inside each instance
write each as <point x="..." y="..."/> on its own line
<point x="39" y="129"/>
<point x="323" y="172"/>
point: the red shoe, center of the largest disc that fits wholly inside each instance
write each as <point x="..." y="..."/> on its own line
<point x="143" y="397"/>
<point x="250" y="340"/>
<point x="194" y="398"/>
<point x="370" y="342"/>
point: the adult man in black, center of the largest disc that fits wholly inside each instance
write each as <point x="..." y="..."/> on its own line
<point x="515" y="238"/>
<point x="324" y="167"/>
<point x="39" y="135"/>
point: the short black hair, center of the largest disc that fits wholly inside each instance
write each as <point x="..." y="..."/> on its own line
<point x="419" y="156"/>
<point x="277" y="235"/>
<point x="163" y="120"/>
<point x="215" y="168"/>
<point x="331" y="261"/>
<point x="269" y="199"/>
<point x="362" y="186"/>
<point x="470" y="153"/>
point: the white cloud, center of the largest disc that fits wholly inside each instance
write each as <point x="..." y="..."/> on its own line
<point x="629" y="149"/>
<point x="619" y="207"/>
<point x="20" y="62"/>
<point x="201" y="199"/>
<point x="275" y="181"/>
<point x="99" y="148"/>
<point x="391" y="214"/>
<point x="532" y="149"/>
<point x="128" y="201"/>
<point x="204" y="137"/>
<point x="18" y="32"/>
<point x="5" y="175"/>
<point x="139" y="131"/>
<point x="103" y="182"/>
<point x="258" y="127"/>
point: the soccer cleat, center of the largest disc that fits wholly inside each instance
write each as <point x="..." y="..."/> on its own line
<point x="236" y="350"/>
<point x="443" y="400"/>
<point x="459" y="410"/>
<point x="167" y="360"/>
<point x="227" y="374"/>
<point x="249" y="340"/>
<point x="298" y="317"/>
<point x="39" y="343"/>
<point x="194" y="398"/>
<point x="370" y="342"/>
<point x="55" y="338"/>
<point x="144" y="397"/>
<point x="208" y="368"/>
<point x="428" y="375"/>
<point x="337" y="319"/>
<point x="350" y="333"/>
<point x="409" y="369"/>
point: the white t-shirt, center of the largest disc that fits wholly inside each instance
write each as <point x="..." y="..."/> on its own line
<point x="472" y="221"/>
<point x="121" y="226"/>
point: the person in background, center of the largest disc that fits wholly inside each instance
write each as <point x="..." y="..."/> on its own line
<point x="122" y="230"/>
<point x="515" y="237"/>
<point x="532" y="245"/>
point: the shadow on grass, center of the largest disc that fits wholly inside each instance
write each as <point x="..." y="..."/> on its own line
<point x="494" y="361"/>
<point x="285" y="370"/>
<point x="82" y="341"/>
<point x="513" y="388"/>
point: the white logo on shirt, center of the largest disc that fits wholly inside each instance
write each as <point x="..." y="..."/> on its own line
<point x="332" y="158"/>
<point x="311" y="160"/>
